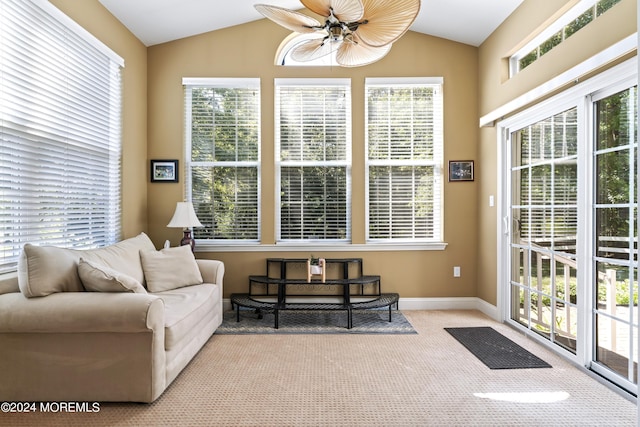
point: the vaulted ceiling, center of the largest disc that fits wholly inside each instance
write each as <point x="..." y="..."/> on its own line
<point x="160" y="21"/>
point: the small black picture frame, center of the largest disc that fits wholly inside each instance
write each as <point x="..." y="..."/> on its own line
<point x="460" y="170"/>
<point x="164" y="171"/>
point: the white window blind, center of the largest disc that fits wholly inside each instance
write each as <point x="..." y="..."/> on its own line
<point x="223" y="152"/>
<point x="404" y="162"/>
<point x="60" y="126"/>
<point x="313" y="149"/>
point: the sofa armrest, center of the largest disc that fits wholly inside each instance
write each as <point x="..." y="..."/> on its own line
<point x="9" y="283"/>
<point x="212" y="271"/>
<point x="78" y="312"/>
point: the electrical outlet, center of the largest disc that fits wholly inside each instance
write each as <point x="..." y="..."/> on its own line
<point x="456" y="271"/>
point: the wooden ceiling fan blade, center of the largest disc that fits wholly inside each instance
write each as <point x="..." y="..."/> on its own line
<point x="344" y="10"/>
<point x="356" y="54"/>
<point x="289" y="19"/>
<point x="387" y="20"/>
<point x="311" y="50"/>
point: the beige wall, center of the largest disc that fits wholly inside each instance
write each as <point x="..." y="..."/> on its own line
<point x="248" y="51"/>
<point x="495" y="90"/>
<point x="92" y="16"/>
<point x="475" y="84"/>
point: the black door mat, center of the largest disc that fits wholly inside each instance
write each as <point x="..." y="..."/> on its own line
<point x="495" y="350"/>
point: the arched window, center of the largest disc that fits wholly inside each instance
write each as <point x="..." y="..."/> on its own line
<point x="283" y="54"/>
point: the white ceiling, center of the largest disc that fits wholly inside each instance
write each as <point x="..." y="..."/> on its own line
<point x="160" y="21"/>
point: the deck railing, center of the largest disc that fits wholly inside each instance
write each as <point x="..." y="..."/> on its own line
<point x="546" y="320"/>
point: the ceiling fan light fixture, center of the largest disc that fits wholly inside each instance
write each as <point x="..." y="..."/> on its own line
<point x="336" y="33"/>
<point x="359" y="32"/>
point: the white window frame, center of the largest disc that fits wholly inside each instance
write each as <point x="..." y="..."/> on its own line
<point x="437" y="162"/>
<point x="232" y="83"/>
<point x="346" y="162"/>
<point x="581" y="7"/>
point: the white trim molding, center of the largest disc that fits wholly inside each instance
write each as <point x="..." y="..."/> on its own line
<point x="212" y="246"/>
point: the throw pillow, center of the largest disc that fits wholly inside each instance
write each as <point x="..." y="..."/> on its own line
<point x="100" y="278"/>
<point x="170" y="268"/>
<point x="122" y="256"/>
<point x="44" y="270"/>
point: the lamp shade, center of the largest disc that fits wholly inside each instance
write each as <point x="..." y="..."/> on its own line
<point x="184" y="216"/>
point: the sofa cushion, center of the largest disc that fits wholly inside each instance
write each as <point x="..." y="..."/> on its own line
<point x="170" y="268"/>
<point x="184" y="308"/>
<point x="100" y="278"/>
<point x="43" y="270"/>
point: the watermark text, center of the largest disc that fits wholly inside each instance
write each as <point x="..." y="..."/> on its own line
<point x="52" y="407"/>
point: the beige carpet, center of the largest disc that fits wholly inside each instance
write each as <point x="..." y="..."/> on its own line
<point x="364" y="380"/>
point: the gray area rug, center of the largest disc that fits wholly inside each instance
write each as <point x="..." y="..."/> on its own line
<point x="316" y="322"/>
<point x="495" y="350"/>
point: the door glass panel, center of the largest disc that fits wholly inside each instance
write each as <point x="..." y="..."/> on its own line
<point x="565" y="280"/>
<point x="564" y="228"/>
<point x="615" y="239"/>
<point x="610" y="351"/>
<point x="544" y="207"/>
<point x="520" y="305"/>
<point x="566" y="183"/>
<point x="524" y="181"/>
<point x="615" y="167"/>
<point x="613" y="232"/>
<point x="566" y="134"/>
<point x="541" y="314"/>
<point x="541" y="185"/>
<point x="566" y="332"/>
<point x="541" y="226"/>
<point x="521" y="149"/>
<point x="518" y="266"/>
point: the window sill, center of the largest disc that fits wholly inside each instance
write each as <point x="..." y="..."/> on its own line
<point x="208" y="246"/>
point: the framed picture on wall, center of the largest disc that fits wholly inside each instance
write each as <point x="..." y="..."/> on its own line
<point x="460" y="170"/>
<point x="164" y="171"/>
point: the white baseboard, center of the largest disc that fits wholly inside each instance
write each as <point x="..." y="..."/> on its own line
<point x="463" y="303"/>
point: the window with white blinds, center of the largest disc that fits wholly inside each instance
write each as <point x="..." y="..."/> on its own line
<point x="404" y="120"/>
<point x="60" y="133"/>
<point x="313" y="156"/>
<point x="223" y="156"/>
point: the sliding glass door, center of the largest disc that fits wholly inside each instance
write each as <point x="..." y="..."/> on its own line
<point x="544" y="212"/>
<point x="570" y="225"/>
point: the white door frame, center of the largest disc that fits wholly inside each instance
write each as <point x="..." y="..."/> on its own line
<point x="575" y="96"/>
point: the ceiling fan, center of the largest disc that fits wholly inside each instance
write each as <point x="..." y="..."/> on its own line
<point x="360" y="32"/>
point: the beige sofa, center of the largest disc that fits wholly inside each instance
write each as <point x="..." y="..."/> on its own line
<point x="112" y="324"/>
